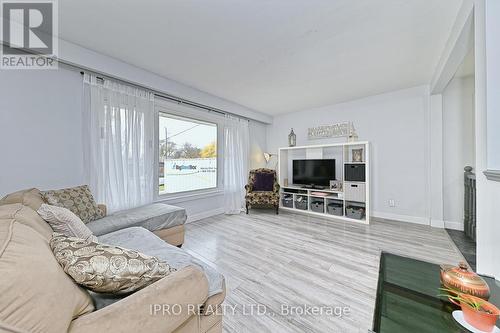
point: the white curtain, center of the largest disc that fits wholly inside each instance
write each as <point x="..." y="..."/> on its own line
<point x="118" y="142"/>
<point x="236" y="151"/>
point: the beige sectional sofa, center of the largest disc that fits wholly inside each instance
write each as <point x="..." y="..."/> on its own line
<point x="165" y="221"/>
<point x="37" y="296"/>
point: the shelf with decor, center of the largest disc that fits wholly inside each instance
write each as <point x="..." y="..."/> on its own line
<point x="285" y="188"/>
<point x="341" y="191"/>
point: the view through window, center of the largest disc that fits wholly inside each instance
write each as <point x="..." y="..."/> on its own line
<point x="187" y="154"/>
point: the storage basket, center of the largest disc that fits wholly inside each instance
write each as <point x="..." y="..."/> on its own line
<point x="318" y="205"/>
<point x="334" y="209"/>
<point x="355" y="191"/>
<point x="355" y="212"/>
<point x="301" y="202"/>
<point x="287" y="200"/>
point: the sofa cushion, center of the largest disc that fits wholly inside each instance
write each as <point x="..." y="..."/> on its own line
<point x="36" y="294"/>
<point x="63" y="221"/>
<point x="146" y="242"/>
<point x="28" y="217"/>
<point x="151" y="217"/>
<point x="263" y="182"/>
<point x="30" y="197"/>
<point x="107" y="268"/>
<point x="77" y="199"/>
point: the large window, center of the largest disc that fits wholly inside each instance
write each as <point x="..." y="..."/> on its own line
<point x="187" y="152"/>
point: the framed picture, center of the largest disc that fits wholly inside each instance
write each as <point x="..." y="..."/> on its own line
<point x="357" y="155"/>
<point x="335" y="185"/>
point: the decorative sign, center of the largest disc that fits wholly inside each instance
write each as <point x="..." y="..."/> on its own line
<point x="330" y="131"/>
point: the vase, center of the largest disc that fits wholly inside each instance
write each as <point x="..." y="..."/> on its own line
<point x="480" y="319"/>
<point x="462" y="280"/>
<point x="292" y="139"/>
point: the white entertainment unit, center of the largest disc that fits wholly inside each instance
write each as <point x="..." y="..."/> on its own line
<point x="350" y="203"/>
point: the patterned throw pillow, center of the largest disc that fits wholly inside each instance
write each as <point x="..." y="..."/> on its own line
<point x="78" y="199"/>
<point x="63" y="221"/>
<point x="106" y="268"/>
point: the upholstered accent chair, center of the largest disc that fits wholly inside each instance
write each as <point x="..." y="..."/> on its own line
<point x="262" y="189"/>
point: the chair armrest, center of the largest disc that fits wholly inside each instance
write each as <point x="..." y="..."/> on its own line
<point x="249" y="188"/>
<point x="103" y="208"/>
<point x="276" y="187"/>
<point x="152" y="309"/>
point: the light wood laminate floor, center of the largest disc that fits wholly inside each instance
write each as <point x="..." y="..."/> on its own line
<point x="288" y="259"/>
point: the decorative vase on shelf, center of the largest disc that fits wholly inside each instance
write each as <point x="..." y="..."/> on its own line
<point x="292" y="139"/>
<point x="353" y="136"/>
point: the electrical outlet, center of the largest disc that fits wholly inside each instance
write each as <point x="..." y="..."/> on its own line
<point x="392" y="203"/>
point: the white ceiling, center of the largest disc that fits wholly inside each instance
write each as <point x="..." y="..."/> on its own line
<point x="273" y="56"/>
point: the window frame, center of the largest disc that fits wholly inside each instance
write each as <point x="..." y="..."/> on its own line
<point x="163" y="106"/>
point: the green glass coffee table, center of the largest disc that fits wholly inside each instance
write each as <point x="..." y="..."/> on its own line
<point x="407" y="298"/>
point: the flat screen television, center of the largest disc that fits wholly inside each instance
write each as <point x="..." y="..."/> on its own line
<point x="313" y="172"/>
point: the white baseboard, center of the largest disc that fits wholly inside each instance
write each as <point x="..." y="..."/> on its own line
<point x="454" y="225"/>
<point x="437" y="223"/>
<point x="404" y="218"/>
<point x="397" y="217"/>
<point x="205" y="214"/>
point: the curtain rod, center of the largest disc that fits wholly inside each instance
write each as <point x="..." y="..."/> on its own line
<point x="157" y="93"/>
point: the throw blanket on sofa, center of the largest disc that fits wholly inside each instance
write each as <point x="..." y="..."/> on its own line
<point x="137" y="238"/>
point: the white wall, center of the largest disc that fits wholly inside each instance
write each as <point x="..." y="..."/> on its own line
<point x="41" y="135"/>
<point x="435" y="132"/>
<point x="258" y="146"/>
<point x="458" y="146"/>
<point x="493" y="84"/>
<point x="40" y="129"/>
<point x="485" y="29"/>
<point x="397" y="126"/>
<point x="487" y="107"/>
